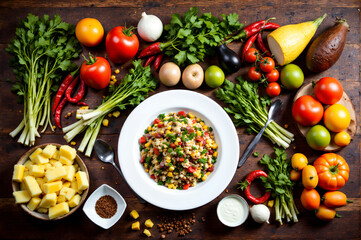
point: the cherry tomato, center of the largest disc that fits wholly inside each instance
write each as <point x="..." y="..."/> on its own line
<point x="272" y="76"/>
<point x="156" y="151"/>
<point x="253" y="74"/>
<point x="307" y="110"/>
<point x="299" y="161"/>
<point x="342" y="139"/>
<point x="328" y="90"/>
<point x="310" y="199"/>
<point x="95" y="72"/>
<point x="191" y="169"/>
<point x="89" y="32"/>
<point x="251" y="55"/>
<point x="267" y="64"/>
<point x="186" y="186"/>
<point x="295" y="175"/>
<point x="142" y="140"/>
<point x="273" y="89"/>
<point x="121" y="44"/>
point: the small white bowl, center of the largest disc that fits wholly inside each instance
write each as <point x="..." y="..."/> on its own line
<point x="89" y="206"/>
<point x="238" y="201"/>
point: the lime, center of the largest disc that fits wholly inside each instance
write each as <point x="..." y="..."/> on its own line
<point x="214" y="76"/>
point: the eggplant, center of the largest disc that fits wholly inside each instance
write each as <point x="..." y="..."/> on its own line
<point x="228" y="59"/>
<point x="326" y="49"/>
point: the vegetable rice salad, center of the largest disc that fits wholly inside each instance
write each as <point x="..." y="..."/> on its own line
<point x="178" y="150"/>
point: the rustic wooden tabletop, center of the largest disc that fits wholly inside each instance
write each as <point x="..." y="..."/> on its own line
<point x="16" y="224"/>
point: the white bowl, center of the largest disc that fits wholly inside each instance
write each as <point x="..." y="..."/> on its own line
<point x="244" y="208"/>
<point x="89" y="206"/>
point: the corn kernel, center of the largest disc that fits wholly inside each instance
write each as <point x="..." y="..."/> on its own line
<point x="148" y="223"/>
<point x="153" y="133"/>
<point x="147" y="144"/>
<point x="116" y="114"/>
<point x="198" y="119"/>
<point x="214" y="146"/>
<point x="105" y="122"/>
<point x="170" y="174"/>
<point x="202" y="123"/>
<point x="208" y="173"/>
<point x="208" y="141"/>
<point x="215" y="154"/>
<point x="204" y="177"/>
<point x="171" y="168"/>
<point x="205" y="127"/>
<point x="270" y="203"/>
<point x="146" y="170"/>
<point x="199" y="133"/>
<point x="134" y="214"/>
<point x="72" y="143"/>
<point x="149" y="128"/>
<point x="170" y="186"/>
<point x="112" y="77"/>
<point x="147" y="233"/>
<point x="169" y="127"/>
<point x="136" y="226"/>
<point x="191" y="115"/>
<point x="207" y="146"/>
<point x="110" y="83"/>
<point x="116" y="71"/>
<point x="174" y="187"/>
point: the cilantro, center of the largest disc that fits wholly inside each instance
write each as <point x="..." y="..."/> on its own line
<point x="210" y="129"/>
<point x="191" y="37"/>
<point x="161" y="116"/>
<point x="194" y="148"/>
<point x="204" y="151"/>
<point x="203" y="160"/>
<point x="214" y="160"/>
<point x="160" y="183"/>
<point x="169" y="180"/>
<point x="146" y="131"/>
<point x="171" y="137"/>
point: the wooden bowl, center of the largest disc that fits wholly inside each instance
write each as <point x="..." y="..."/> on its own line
<point x="345" y="101"/>
<point x="43" y="216"/>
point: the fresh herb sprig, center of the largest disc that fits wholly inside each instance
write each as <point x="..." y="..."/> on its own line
<point x="279" y="184"/>
<point x="42" y="50"/>
<point x="133" y="89"/>
<point x="191" y="37"/>
<point x="249" y="109"/>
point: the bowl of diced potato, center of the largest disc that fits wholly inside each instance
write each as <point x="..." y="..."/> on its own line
<point x="50" y="181"/>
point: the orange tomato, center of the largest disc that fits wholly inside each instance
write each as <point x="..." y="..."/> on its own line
<point x="325" y="213"/>
<point x="333" y="171"/>
<point x="310" y="199"/>
<point x="295" y="175"/>
<point x="334" y="199"/>
<point x="336" y="118"/>
<point x="89" y="32"/>
<point x="299" y="161"/>
<point x="309" y="177"/>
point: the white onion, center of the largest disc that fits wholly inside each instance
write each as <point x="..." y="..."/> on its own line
<point x="260" y="213"/>
<point x="150" y="27"/>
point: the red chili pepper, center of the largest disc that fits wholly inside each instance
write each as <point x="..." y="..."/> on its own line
<point x="151" y="50"/>
<point x="247" y="183"/>
<point x="80" y="93"/>
<point x="186" y="186"/>
<point x="252" y="28"/>
<point x="248" y="45"/>
<point x="67" y="80"/>
<point x="261" y="45"/>
<point x="149" y="60"/>
<point x="81" y="104"/>
<point x="58" y="112"/>
<point x="157" y="61"/>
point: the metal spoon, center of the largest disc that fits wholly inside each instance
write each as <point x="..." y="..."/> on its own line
<point x="274" y="109"/>
<point x="106" y="154"/>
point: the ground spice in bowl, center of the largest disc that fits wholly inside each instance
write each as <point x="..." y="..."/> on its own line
<point x="106" y="206"/>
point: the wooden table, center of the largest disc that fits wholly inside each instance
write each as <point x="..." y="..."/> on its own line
<point x="15" y="223"/>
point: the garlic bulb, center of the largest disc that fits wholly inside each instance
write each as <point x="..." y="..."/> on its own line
<point x="150" y="27"/>
<point x="260" y="213"/>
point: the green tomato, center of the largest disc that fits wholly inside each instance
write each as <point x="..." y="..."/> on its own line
<point x="318" y="137"/>
<point x="214" y="76"/>
<point x="292" y="76"/>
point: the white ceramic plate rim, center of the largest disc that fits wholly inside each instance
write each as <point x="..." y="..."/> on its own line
<point x="89" y="206"/>
<point x="174" y="101"/>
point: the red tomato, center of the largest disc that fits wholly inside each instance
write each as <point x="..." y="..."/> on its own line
<point x="273" y="89"/>
<point x="251" y="55"/>
<point x="156" y="121"/>
<point x="182" y="113"/>
<point x="199" y="139"/>
<point x="156" y="151"/>
<point x="96" y="72"/>
<point x="121" y="44"/>
<point x="181" y="159"/>
<point x="172" y="145"/>
<point x="253" y="74"/>
<point x="142" y="140"/>
<point x="191" y="169"/>
<point x="272" y="76"/>
<point x="210" y="169"/>
<point x="152" y="176"/>
<point x="267" y="64"/>
<point x="328" y="90"/>
<point x="158" y="135"/>
<point x="186" y="186"/>
<point x="142" y="159"/>
<point x="307" y="111"/>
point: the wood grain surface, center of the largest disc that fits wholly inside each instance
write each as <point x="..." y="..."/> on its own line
<point x="16" y="224"/>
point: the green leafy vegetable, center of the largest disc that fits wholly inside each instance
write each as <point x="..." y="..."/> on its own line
<point x="131" y="91"/>
<point x="279" y="184"/>
<point x="190" y="38"/>
<point x="249" y="109"/>
<point x="42" y="51"/>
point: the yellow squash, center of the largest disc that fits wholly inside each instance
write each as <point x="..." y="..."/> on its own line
<point x="287" y="42"/>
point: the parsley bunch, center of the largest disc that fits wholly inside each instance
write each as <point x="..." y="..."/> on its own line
<point x="249" y="109"/>
<point x="133" y="89"/>
<point x="42" y="51"/>
<point x="279" y="184"/>
<point x="190" y="38"/>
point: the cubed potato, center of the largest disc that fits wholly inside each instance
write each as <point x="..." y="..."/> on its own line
<point x="49" y="200"/>
<point x="34" y="203"/>
<point x="22" y="186"/>
<point x="58" y="210"/>
<point x="134" y="214"/>
<point x="21" y="196"/>
<point x="148" y="223"/>
<point x="49" y="151"/>
<point x="42" y="210"/>
<point x="41" y="182"/>
<point x="74" y="201"/>
<point x="18" y="173"/>
<point x="57" y="164"/>
<point x="60" y="199"/>
<point x="70" y="173"/>
<point x="27" y="164"/>
<point x="32" y="186"/>
<point x="67" y="152"/>
<point x="67" y="184"/>
<point x="56" y="155"/>
<point x="136" y="226"/>
<point x="52" y="187"/>
<point x="147" y="233"/>
<point x="37" y="170"/>
<point x="35" y="153"/>
<point x="48" y="167"/>
<point x="67" y="192"/>
<point x="56" y="174"/>
<point x="40" y="159"/>
<point x="65" y="161"/>
<point x="52" y="161"/>
<point x="82" y="180"/>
